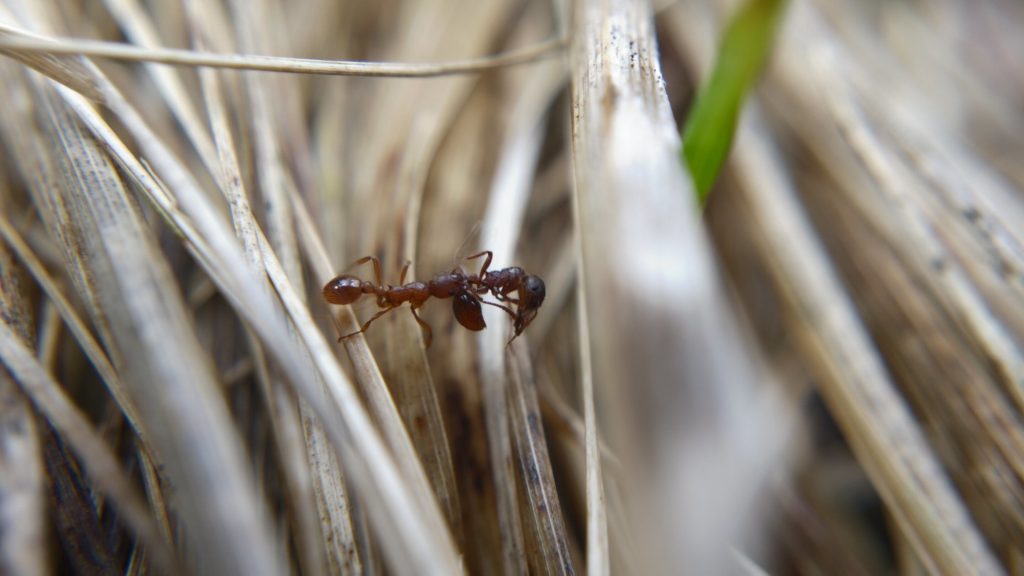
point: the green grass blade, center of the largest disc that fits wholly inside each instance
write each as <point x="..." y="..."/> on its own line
<point x="709" y="130"/>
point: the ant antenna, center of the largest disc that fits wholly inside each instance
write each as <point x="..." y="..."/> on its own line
<point x="474" y="232"/>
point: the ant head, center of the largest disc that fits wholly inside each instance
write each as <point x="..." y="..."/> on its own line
<point x="531" y="294"/>
<point x="343" y="290"/>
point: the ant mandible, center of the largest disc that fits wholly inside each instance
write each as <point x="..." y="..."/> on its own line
<point x="465" y="290"/>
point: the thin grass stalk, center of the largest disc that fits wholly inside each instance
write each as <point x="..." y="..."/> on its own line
<point x="542" y="508"/>
<point x="183" y="412"/>
<point x="367" y="372"/>
<point x="503" y="220"/>
<point x="286" y="413"/>
<point x="854" y="379"/>
<point x="404" y="362"/>
<point x="63" y="310"/>
<point x="646" y="263"/>
<point x="411" y="140"/>
<point x="598" y="552"/>
<point x="40" y="51"/>
<point x="99" y="462"/>
<point x="143" y="32"/>
<point x="76" y="325"/>
<point x="22" y="480"/>
<point x="856" y="383"/>
<point x="229" y="274"/>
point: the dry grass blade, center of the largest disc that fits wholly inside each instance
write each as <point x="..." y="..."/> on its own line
<point x="27" y="48"/>
<point x="412" y="387"/>
<point x="70" y="71"/>
<point x="96" y="355"/>
<point x="370" y="378"/>
<point x="381" y="404"/>
<point x="213" y="245"/>
<point x="646" y="263"/>
<point x="496" y="414"/>
<point x="288" y="416"/>
<point x="960" y="299"/>
<point x="566" y="421"/>
<point x="89" y="446"/>
<point x="76" y="324"/>
<point x="598" y="555"/>
<point x="854" y="380"/>
<point x="367" y="372"/>
<point x="923" y="247"/>
<point x="510" y="396"/>
<point x="22" y="484"/>
<point x="402" y="361"/>
<point x="332" y="499"/>
<point x="915" y="253"/>
<point x="409" y="140"/>
<point x="864" y="399"/>
<point x="133" y="19"/>
<point x="501" y="225"/>
<point x="869" y="222"/>
<point x="128" y="281"/>
<point x="549" y="552"/>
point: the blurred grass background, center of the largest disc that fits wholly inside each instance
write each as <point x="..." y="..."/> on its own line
<point x="819" y="371"/>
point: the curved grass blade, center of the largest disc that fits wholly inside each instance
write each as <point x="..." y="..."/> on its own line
<point x="711" y="125"/>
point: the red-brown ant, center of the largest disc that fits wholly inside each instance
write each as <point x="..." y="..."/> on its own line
<point x="466" y="291"/>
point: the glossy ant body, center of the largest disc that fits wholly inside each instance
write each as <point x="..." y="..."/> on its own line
<point x="466" y="291"/>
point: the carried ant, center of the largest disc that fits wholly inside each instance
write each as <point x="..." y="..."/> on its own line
<point x="466" y="291"/>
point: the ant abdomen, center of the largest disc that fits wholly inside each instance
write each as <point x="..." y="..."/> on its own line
<point x="468" y="312"/>
<point x="343" y="290"/>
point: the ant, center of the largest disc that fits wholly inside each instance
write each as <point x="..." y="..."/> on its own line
<point x="465" y="290"/>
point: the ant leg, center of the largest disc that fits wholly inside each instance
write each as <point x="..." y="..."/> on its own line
<point x="376" y="267"/>
<point x="507" y="310"/>
<point x="401" y="277"/>
<point x="368" y="322"/>
<point x="511" y="315"/>
<point x="505" y="298"/>
<point x="487" y="260"/>
<point x="429" y="334"/>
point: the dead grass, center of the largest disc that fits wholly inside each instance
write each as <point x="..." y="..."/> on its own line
<point x="173" y="398"/>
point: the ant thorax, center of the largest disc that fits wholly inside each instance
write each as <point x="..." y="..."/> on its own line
<point x="505" y="280"/>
